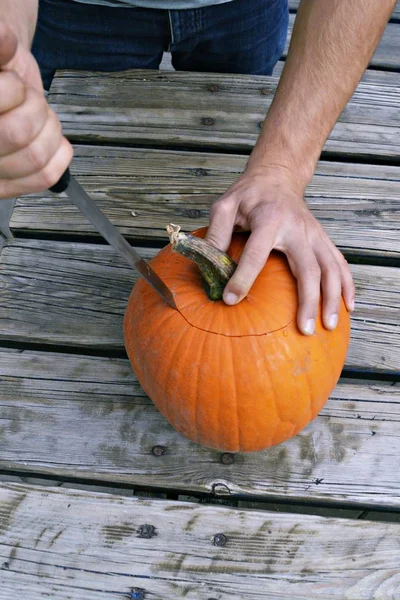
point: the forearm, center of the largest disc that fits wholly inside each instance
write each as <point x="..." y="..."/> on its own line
<point x="21" y="17"/>
<point x="332" y="43"/>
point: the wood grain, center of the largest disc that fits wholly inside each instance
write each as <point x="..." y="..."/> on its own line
<point x="87" y="417"/>
<point x="75" y="294"/>
<point x="87" y="546"/>
<point x="156" y="108"/>
<point x="142" y="190"/>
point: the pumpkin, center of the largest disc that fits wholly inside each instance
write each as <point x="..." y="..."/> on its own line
<point x="232" y="378"/>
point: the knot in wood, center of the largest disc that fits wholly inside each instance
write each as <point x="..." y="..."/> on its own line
<point x="208" y="121"/>
<point x="158" y="450"/>
<point x="137" y="594"/>
<point x="265" y="92"/>
<point x="146" y="531"/>
<point x="199" y="172"/>
<point x="227" y="458"/>
<point x="213" y="87"/>
<point x="220" y="539"/>
<point x="192" y="213"/>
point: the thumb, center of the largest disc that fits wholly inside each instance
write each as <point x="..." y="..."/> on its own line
<point x="8" y="44"/>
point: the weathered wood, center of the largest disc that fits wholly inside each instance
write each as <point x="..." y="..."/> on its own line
<point x="294" y="4"/>
<point x="142" y="190"/>
<point x="75" y="294"/>
<point x="87" y="417"/>
<point x="169" y="108"/>
<point x="6" y="210"/>
<point x="88" y="546"/>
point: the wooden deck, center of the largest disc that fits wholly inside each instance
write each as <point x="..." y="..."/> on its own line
<point x="100" y="499"/>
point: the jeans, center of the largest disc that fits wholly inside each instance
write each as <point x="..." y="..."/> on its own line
<point x="242" y="36"/>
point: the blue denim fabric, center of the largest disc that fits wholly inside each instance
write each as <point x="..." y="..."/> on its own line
<point x="241" y="36"/>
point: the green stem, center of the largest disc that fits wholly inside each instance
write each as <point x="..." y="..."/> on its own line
<point x="216" y="267"/>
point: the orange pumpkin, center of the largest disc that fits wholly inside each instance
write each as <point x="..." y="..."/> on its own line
<point x="233" y="378"/>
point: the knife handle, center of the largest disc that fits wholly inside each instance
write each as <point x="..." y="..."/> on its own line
<point x="62" y="183"/>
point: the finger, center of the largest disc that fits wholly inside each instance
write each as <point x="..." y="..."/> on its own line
<point x="305" y="268"/>
<point x="12" y="91"/>
<point x="8" y="44"/>
<point x="331" y="284"/>
<point x="43" y="180"/>
<point x="20" y="126"/>
<point x="253" y="259"/>
<point x="348" y="287"/>
<point x="37" y="155"/>
<point x="222" y="221"/>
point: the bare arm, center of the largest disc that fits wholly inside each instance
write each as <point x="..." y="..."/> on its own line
<point x="331" y="46"/>
<point x="332" y="43"/>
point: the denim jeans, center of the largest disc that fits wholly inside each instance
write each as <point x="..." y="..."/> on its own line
<point x="242" y="36"/>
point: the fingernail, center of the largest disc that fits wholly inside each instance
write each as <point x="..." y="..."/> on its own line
<point x="230" y="298"/>
<point x="310" y="326"/>
<point x="332" y="321"/>
<point x="351" y="305"/>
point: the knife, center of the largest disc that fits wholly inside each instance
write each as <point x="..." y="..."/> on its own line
<point x="68" y="184"/>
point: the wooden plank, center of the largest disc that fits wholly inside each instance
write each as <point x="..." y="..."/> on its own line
<point x="294" y="4"/>
<point x="181" y="109"/>
<point x="88" y="546"/>
<point x="75" y="294"/>
<point x="87" y="417"/>
<point x="143" y="190"/>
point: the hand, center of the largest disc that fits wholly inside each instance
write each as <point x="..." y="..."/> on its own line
<point x="268" y="203"/>
<point x="33" y="152"/>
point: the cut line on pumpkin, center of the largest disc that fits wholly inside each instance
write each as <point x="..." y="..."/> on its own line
<point x="235" y="336"/>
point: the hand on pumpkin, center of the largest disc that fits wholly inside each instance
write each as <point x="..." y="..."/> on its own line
<point x="268" y="204"/>
<point x="33" y="152"/>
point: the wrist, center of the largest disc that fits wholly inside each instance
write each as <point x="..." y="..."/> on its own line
<point x="277" y="168"/>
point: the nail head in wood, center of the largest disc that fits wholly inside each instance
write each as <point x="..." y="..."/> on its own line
<point x="213" y="87"/>
<point x="146" y="531"/>
<point x="208" y="121"/>
<point x="227" y="458"/>
<point x="220" y="539"/>
<point x="137" y="594"/>
<point x="158" y="450"/>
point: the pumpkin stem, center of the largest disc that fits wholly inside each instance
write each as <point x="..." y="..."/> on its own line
<point x="216" y="267"/>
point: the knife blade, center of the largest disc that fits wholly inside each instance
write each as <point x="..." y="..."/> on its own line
<point x="89" y="208"/>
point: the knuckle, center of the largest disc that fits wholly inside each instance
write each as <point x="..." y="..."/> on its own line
<point x="16" y="134"/>
<point x="313" y="272"/>
<point x="37" y="156"/>
<point x="238" y="286"/>
<point x="12" y="87"/>
<point x="273" y="212"/>
<point x="221" y="207"/>
<point x="50" y="176"/>
<point x="255" y="256"/>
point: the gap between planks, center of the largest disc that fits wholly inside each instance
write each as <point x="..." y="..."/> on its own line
<point x="87" y="546"/>
<point x="75" y="294"/>
<point x="87" y="418"/>
<point x="141" y="191"/>
<point x="178" y="109"/>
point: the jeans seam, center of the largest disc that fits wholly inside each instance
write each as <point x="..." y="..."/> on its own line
<point x="171" y="28"/>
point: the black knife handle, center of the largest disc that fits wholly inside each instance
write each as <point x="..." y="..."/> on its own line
<point x="62" y="183"/>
